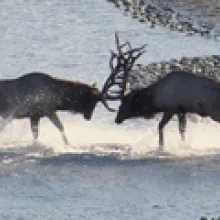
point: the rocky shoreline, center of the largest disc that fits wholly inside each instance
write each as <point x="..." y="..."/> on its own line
<point x="164" y="16"/>
<point x="142" y="76"/>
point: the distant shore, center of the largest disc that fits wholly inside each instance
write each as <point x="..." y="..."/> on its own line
<point x="202" y="9"/>
<point x="189" y="18"/>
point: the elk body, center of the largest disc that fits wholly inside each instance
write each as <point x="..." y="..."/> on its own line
<point x="35" y="95"/>
<point x="177" y="93"/>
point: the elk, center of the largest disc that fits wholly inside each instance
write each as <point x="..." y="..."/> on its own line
<point x="35" y="95"/>
<point x="178" y="93"/>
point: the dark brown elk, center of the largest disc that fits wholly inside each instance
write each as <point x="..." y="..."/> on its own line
<point x="35" y="95"/>
<point x="177" y="93"/>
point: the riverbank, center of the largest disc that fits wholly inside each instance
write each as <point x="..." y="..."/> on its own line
<point x="170" y="16"/>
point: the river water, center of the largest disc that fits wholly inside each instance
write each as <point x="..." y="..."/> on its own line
<point x="108" y="171"/>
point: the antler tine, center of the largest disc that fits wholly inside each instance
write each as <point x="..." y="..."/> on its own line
<point x="113" y="55"/>
<point x="123" y="45"/>
<point x="109" y="82"/>
<point x="132" y="51"/>
<point x="129" y="62"/>
<point x="115" y="92"/>
<point x="119" y="47"/>
<point x="114" y="98"/>
<point x="114" y="70"/>
<point x="132" y="58"/>
<point x="140" y="49"/>
<point x="117" y="41"/>
<point x="119" y="76"/>
<point x="136" y="57"/>
<point x="113" y="79"/>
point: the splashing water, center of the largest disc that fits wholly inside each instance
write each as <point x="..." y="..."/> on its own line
<point x="126" y="141"/>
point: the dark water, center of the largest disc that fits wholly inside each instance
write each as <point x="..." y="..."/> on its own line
<point x="108" y="171"/>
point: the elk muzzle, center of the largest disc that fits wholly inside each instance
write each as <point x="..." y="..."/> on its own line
<point x="118" y="120"/>
<point x="120" y="117"/>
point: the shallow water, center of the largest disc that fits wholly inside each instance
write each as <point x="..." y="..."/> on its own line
<point x="108" y="171"/>
<point x="91" y="187"/>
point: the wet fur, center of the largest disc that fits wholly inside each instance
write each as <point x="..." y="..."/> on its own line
<point x="178" y="93"/>
<point x="35" y="95"/>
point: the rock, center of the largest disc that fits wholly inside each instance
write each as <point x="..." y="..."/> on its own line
<point x="164" y="16"/>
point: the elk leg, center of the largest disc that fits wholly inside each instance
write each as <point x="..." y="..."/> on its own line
<point x="55" y="120"/>
<point x="34" y="127"/>
<point x="165" y="119"/>
<point x="182" y="124"/>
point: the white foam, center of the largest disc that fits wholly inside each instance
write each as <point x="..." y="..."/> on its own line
<point x="202" y="138"/>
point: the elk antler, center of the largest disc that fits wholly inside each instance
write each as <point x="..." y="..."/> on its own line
<point x="124" y="61"/>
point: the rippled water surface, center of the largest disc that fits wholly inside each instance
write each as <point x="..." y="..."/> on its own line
<point x="108" y="171"/>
